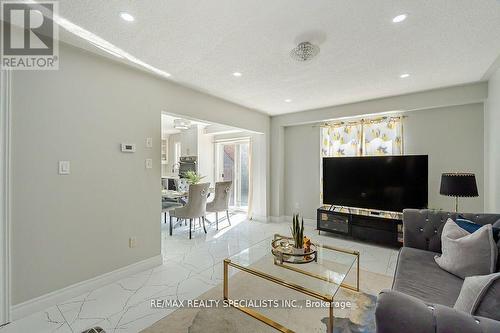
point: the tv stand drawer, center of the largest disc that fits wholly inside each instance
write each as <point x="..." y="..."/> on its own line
<point x="373" y="222"/>
<point x="333" y="222"/>
<point x="374" y="235"/>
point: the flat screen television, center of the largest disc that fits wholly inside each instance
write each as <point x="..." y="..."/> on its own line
<point x="388" y="183"/>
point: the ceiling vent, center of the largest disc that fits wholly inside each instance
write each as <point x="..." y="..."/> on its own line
<point x="305" y="51"/>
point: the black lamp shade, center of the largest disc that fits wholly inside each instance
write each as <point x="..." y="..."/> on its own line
<point x="458" y="185"/>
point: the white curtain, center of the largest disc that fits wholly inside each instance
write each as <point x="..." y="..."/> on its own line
<point x="366" y="137"/>
<point x="250" y="181"/>
<point x="383" y="137"/>
<point x="341" y="140"/>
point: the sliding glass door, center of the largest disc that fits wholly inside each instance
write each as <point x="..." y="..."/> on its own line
<point x="233" y="163"/>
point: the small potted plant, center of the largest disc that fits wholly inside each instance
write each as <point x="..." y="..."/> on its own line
<point x="297" y="229"/>
<point x="193" y="177"/>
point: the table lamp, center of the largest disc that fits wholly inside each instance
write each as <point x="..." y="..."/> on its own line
<point x="458" y="185"/>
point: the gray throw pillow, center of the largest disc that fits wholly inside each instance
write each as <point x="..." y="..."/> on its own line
<point x="466" y="254"/>
<point x="475" y="291"/>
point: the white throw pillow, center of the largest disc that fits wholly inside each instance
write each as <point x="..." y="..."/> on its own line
<point x="473" y="291"/>
<point x="467" y="254"/>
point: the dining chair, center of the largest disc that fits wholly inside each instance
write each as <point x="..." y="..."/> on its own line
<point x="221" y="201"/>
<point x="168" y="207"/>
<point x="181" y="185"/>
<point x="195" y="207"/>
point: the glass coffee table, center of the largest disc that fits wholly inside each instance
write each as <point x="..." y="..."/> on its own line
<point x="320" y="279"/>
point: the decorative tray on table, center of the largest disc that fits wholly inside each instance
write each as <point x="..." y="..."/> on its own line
<point x="283" y="250"/>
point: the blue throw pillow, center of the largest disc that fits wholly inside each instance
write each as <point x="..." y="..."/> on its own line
<point x="470" y="226"/>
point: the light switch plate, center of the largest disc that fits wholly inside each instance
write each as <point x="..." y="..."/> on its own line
<point x="149" y="142"/>
<point x="149" y="163"/>
<point x="64" y="167"/>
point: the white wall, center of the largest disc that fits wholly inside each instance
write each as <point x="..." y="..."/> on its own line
<point x="451" y="136"/>
<point x="5" y="86"/>
<point x="492" y="150"/>
<point x="302" y="164"/>
<point x="450" y="96"/>
<point x="206" y="164"/>
<point x="67" y="229"/>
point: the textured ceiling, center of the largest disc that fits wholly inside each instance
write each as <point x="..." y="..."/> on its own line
<point x="442" y="43"/>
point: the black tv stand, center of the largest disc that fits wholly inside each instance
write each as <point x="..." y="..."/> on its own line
<point x="372" y="226"/>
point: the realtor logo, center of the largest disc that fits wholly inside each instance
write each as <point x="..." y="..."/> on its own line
<point x="29" y="35"/>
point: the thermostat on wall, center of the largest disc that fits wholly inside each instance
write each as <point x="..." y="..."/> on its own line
<point x="128" y="147"/>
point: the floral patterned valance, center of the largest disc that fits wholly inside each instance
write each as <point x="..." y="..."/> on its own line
<point x="341" y="140"/>
<point x="383" y="137"/>
<point x="366" y="137"/>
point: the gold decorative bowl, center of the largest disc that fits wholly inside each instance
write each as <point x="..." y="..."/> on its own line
<point x="283" y="250"/>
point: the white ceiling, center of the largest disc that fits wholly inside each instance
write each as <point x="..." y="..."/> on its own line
<point x="442" y="43"/>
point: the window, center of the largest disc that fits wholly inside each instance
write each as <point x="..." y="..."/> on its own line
<point x="233" y="164"/>
<point x="341" y="140"/>
<point x="366" y="137"/>
<point x="383" y="137"/>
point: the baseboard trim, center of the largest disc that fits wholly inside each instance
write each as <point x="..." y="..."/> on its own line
<point x="285" y="218"/>
<point x="45" y="301"/>
<point x="260" y="218"/>
<point x="276" y="218"/>
<point x="309" y="222"/>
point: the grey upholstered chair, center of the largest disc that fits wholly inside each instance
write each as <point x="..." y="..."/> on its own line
<point x="181" y="184"/>
<point x="195" y="207"/>
<point x="221" y="201"/>
<point x="167" y="207"/>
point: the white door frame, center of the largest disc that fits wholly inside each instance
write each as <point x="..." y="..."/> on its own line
<point x="5" y="135"/>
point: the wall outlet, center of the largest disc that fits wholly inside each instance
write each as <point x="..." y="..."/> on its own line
<point x="149" y="163"/>
<point x="149" y="142"/>
<point x="132" y="242"/>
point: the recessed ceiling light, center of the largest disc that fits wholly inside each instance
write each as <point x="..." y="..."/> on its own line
<point x="405" y="75"/>
<point x="127" y="17"/>
<point x="288" y="100"/>
<point x="399" y="18"/>
<point x="237" y="74"/>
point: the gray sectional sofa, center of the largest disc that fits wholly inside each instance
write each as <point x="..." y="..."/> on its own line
<point x="422" y="296"/>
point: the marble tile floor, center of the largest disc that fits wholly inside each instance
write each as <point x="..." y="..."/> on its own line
<point x="189" y="269"/>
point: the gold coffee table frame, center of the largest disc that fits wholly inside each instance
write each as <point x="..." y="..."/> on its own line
<point x="323" y="297"/>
